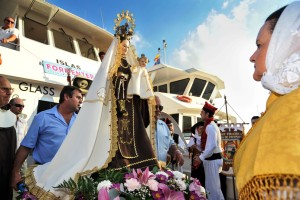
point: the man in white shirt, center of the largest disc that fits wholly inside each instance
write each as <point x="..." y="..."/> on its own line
<point x="16" y="106"/>
<point x="8" y="33"/>
<point x="211" y="155"/>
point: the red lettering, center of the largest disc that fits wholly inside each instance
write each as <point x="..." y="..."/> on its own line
<point x="54" y="68"/>
<point x="77" y="73"/>
<point x="48" y="66"/>
<point x="61" y="69"/>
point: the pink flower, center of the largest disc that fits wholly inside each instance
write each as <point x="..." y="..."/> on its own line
<point x="142" y="176"/>
<point x="132" y="184"/>
<point x="196" y="187"/>
<point x="103" y="194"/>
<point x="170" y="194"/>
<point x="152" y="184"/>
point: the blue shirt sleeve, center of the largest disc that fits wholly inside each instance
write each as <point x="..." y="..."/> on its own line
<point x="31" y="137"/>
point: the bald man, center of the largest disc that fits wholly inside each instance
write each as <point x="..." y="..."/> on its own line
<point x="16" y="106"/>
<point x="8" y="139"/>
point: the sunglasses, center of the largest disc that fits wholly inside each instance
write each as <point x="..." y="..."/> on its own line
<point x="5" y="89"/>
<point x="19" y="105"/>
<point x="160" y="107"/>
<point x="8" y="21"/>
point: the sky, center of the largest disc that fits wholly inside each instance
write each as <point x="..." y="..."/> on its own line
<point x="215" y="36"/>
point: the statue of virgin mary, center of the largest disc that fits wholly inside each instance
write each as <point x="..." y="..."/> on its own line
<point x="110" y="129"/>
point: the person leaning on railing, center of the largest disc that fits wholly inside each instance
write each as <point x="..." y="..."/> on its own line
<point x="8" y="33"/>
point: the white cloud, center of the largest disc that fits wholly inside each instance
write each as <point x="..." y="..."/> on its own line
<point x="225" y="4"/>
<point x="222" y="45"/>
<point x="139" y="42"/>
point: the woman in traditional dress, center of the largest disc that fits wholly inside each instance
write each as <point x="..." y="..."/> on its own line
<point x="267" y="163"/>
<point x="110" y="128"/>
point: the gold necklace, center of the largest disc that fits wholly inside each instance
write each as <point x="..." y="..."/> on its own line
<point x="121" y="63"/>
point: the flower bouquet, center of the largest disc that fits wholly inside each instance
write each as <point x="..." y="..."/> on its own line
<point x="135" y="185"/>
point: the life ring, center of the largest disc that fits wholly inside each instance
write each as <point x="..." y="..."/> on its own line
<point x="184" y="98"/>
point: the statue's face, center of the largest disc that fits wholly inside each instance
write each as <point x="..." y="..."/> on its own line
<point x="82" y="84"/>
<point x="125" y="47"/>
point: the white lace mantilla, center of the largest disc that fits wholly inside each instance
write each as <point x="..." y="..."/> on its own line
<point x="283" y="57"/>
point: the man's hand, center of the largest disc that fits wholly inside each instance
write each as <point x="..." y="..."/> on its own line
<point x="179" y="157"/>
<point x="15" y="179"/>
<point x="196" y="162"/>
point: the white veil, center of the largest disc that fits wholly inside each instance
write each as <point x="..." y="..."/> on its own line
<point x="88" y="146"/>
<point x="283" y="56"/>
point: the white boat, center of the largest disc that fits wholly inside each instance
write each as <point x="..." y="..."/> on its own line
<point x="51" y="41"/>
<point x="198" y="86"/>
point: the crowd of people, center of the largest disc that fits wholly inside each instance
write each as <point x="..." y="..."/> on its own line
<point x="126" y="123"/>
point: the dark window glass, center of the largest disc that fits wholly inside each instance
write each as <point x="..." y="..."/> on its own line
<point x="45" y="105"/>
<point x="87" y="49"/>
<point x="163" y="88"/>
<point x="178" y="87"/>
<point x="208" y="91"/>
<point x="155" y="88"/>
<point x="35" y="31"/>
<point x="199" y="119"/>
<point x="186" y="126"/>
<point x="176" y="117"/>
<point x="197" y="87"/>
<point x="63" y="41"/>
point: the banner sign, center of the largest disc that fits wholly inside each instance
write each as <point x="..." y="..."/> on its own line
<point x="61" y="70"/>
<point x="232" y="135"/>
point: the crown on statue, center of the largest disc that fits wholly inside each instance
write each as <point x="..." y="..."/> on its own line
<point x="126" y="30"/>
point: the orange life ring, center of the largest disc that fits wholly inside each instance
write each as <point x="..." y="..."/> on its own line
<point x="184" y="98"/>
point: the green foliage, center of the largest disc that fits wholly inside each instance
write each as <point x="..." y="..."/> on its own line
<point x="115" y="176"/>
<point x="85" y="188"/>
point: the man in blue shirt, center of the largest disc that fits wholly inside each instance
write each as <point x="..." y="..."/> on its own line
<point x="48" y="130"/>
<point x="164" y="141"/>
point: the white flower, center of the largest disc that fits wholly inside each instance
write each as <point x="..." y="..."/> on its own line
<point x="102" y="184"/>
<point x="178" y="175"/>
<point x="181" y="184"/>
<point x="162" y="173"/>
<point x="202" y="190"/>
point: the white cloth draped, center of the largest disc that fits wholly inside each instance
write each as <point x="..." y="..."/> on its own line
<point x="283" y="56"/>
<point x="139" y="84"/>
<point x="7" y="118"/>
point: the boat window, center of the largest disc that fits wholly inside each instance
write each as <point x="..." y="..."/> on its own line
<point x="63" y="41"/>
<point x="163" y="88"/>
<point x="45" y="105"/>
<point x="35" y="31"/>
<point x="199" y="119"/>
<point x="154" y="88"/>
<point x="197" y="87"/>
<point x="178" y="87"/>
<point x="87" y="49"/>
<point x="187" y="124"/>
<point x="176" y="117"/>
<point x="208" y="91"/>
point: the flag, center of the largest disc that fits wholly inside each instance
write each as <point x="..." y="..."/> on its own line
<point x="157" y="59"/>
